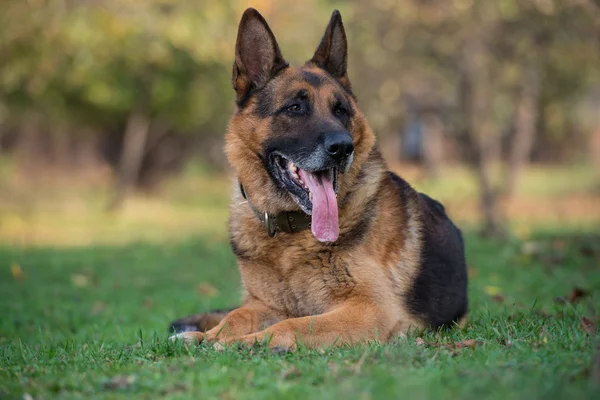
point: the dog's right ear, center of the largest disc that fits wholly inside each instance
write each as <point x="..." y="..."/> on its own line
<point x="257" y="55"/>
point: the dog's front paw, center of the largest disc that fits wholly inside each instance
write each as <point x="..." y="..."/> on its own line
<point x="188" y="337"/>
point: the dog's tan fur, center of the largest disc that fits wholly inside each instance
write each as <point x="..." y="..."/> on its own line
<point x="297" y="289"/>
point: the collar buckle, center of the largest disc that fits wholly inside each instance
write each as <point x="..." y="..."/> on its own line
<point x="270" y="225"/>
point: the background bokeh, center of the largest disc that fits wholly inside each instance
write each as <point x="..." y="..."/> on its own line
<point x="112" y="112"/>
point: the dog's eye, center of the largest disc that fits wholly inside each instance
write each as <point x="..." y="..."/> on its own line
<point x="294" y="108"/>
<point x="340" y="111"/>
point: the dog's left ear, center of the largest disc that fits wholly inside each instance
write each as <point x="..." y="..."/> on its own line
<point x="332" y="53"/>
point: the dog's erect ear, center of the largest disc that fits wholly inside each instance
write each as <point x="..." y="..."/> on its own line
<point x="332" y="53"/>
<point x="257" y="55"/>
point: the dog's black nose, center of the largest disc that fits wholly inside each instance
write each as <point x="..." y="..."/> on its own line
<point x="338" y="145"/>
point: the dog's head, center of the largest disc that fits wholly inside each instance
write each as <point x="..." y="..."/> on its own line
<point x="297" y="139"/>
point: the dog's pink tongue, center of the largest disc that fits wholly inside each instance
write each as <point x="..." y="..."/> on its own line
<point x="325" y="225"/>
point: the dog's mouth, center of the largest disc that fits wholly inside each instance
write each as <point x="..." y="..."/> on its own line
<point x="315" y="192"/>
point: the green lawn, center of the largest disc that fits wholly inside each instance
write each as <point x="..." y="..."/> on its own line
<point x="92" y="323"/>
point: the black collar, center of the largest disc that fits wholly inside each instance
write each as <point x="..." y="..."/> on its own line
<point x="287" y="221"/>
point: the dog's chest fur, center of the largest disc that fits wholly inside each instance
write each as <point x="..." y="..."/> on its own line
<point x="298" y="278"/>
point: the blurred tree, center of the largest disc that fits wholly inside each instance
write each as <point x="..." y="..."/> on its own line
<point x="593" y="9"/>
<point x="153" y="67"/>
<point x="99" y="63"/>
<point x="494" y="68"/>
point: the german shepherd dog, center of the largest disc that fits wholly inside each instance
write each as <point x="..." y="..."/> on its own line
<point x="332" y="248"/>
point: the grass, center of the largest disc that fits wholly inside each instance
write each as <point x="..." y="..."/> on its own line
<point x="86" y="297"/>
<point x="91" y="323"/>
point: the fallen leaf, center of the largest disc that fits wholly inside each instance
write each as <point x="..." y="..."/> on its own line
<point x="492" y="290"/>
<point x="531" y="248"/>
<point x="177" y="388"/>
<point x="206" y="289"/>
<point x="467" y="343"/>
<point x="472" y="271"/>
<point x="17" y="272"/>
<point x="589" y="325"/>
<point x="577" y="294"/>
<point x="470" y="343"/>
<point x="119" y="382"/>
<point x="498" y="298"/>
<point x="80" y="280"/>
<point x="218" y="347"/>
<point x="98" y="307"/>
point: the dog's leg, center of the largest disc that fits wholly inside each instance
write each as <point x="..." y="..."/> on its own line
<point x="239" y="322"/>
<point x="351" y="323"/>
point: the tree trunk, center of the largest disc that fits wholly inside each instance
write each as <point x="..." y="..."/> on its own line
<point x="526" y="118"/>
<point x="433" y="146"/>
<point x="132" y="154"/>
<point x="595" y="151"/>
<point x="481" y="134"/>
<point x="29" y="150"/>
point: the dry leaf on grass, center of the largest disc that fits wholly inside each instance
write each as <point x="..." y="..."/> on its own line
<point x="470" y="343"/>
<point x="148" y="302"/>
<point x="472" y="271"/>
<point x="17" y="272"/>
<point x="177" y="388"/>
<point x="80" y="280"/>
<point x="589" y="325"/>
<point x="206" y="289"/>
<point x="492" y="290"/>
<point x="467" y="343"/>
<point x="98" y="307"/>
<point x="532" y="248"/>
<point x="119" y="382"/>
<point x="576" y="295"/>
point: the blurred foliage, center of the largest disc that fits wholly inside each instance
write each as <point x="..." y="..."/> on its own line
<point x="91" y="63"/>
<point x="413" y="51"/>
<point x="94" y="61"/>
